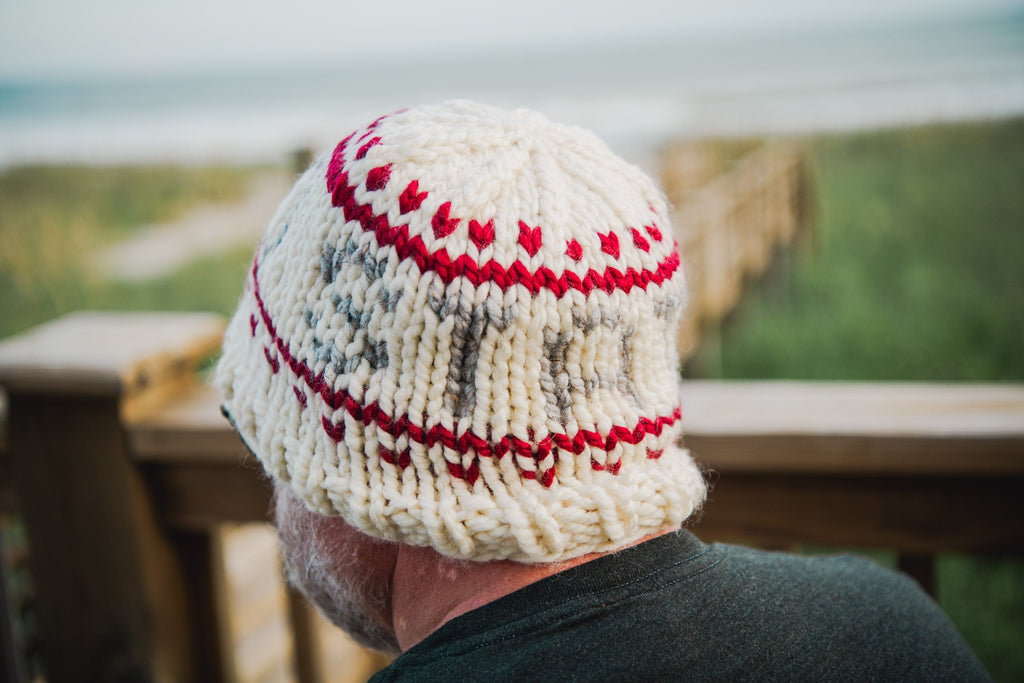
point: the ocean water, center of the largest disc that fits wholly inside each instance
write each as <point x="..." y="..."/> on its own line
<point x="636" y="96"/>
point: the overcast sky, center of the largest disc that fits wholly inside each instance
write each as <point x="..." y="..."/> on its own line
<point x="71" y="38"/>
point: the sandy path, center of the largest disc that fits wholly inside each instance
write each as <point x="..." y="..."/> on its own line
<point x="159" y="249"/>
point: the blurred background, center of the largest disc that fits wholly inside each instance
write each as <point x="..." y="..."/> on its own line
<point x="144" y="145"/>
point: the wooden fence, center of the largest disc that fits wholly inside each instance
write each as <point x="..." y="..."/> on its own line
<point x="124" y="472"/>
<point x="733" y="209"/>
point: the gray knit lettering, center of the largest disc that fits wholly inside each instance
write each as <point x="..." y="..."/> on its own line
<point x="470" y="327"/>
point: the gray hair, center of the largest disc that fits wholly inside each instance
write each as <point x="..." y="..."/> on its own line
<point x="327" y="572"/>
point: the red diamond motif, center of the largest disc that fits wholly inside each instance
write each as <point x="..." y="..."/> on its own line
<point x="378" y="177"/>
<point x="610" y="244"/>
<point x="411" y="198"/>
<point x="366" y="148"/>
<point x="529" y="238"/>
<point x="482" y="235"/>
<point x="574" y="250"/>
<point x="639" y="240"/>
<point x="443" y="225"/>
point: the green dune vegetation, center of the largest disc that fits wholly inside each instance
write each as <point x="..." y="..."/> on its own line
<point x="51" y="217"/>
<point x="913" y="273"/>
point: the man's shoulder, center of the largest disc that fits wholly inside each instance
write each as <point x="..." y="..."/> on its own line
<point x="842" y="582"/>
<point x="678" y="608"/>
<point x="826" y="617"/>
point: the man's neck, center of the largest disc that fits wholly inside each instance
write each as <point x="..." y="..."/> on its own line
<point x="429" y="589"/>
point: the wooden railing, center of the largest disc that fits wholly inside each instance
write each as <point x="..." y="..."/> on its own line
<point x="124" y="472"/>
<point x="730" y="218"/>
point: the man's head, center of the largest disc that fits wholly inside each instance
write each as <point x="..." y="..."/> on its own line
<point x="459" y="332"/>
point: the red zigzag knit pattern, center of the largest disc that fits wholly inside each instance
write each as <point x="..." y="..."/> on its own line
<point x="439" y="261"/>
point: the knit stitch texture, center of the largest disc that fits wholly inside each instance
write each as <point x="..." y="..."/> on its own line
<point x="459" y="332"/>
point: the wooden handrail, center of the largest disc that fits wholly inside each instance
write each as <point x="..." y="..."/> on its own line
<point x="741" y="426"/>
<point x="730" y="222"/>
<point x="918" y="435"/>
<point x="792" y="462"/>
<point x="732" y="426"/>
<point x="870" y="428"/>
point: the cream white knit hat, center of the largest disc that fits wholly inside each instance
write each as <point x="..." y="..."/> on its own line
<point x="459" y="332"/>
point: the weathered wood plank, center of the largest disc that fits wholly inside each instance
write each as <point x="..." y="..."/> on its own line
<point x="306" y="639"/>
<point x="8" y="493"/>
<point x="199" y="471"/>
<point x="202" y="556"/>
<point x="729" y="219"/>
<point x="867" y="428"/>
<point x="916" y="467"/>
<point x="935" y="410"/>
<point x="811" y="427"/>
<point x="110" y="593"/>
<point x="115" y="592"/>
<point x="107" y="353"/>
<point x="923" y="515"/>
<point x="4" y="444"/>
<point x="921" y="567"/>
<point x="12" y="664"/>
<point x="189" y="428"/>
<point x="198" y="496"/>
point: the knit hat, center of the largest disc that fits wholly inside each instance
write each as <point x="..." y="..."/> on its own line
<point x="459" y="332"/>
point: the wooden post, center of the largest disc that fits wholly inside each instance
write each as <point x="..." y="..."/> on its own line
<point x="202" y="557"/>
<point x="11" y="666"/>
<point x="921" y="567"/>
<point x="113" y="588"/>
<point x="305" y="639"/>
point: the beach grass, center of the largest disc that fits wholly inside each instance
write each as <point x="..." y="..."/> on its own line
<point x="51" y="216"/>
<point x="914" y="273"/>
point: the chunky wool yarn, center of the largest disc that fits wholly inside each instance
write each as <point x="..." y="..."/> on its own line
<point x="459" y="332"/>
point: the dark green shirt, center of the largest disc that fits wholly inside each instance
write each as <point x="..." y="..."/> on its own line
<point x="674" y="609"/>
